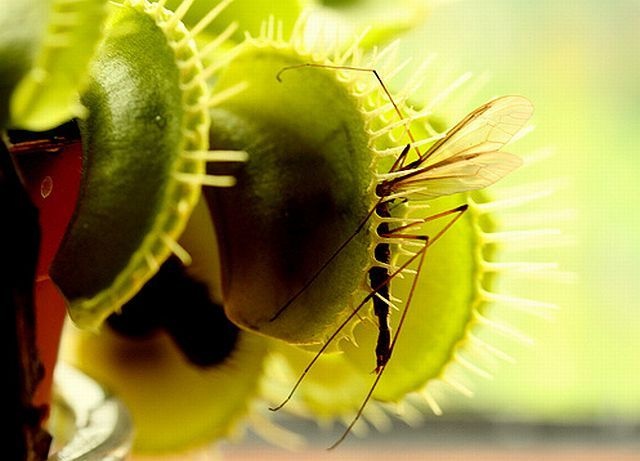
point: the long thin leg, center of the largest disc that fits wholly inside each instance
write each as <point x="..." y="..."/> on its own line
<point x="369" y="296"/>
<point x="398" y="164"/>
<point x="379" y="275"/>
<point x="380" y="368"/>
<point x="309" y="282"/>
<point x="339" y="329"/>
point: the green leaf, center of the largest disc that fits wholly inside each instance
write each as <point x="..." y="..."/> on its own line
<point x="22" y="26"/>
<point x="64" y="36"/>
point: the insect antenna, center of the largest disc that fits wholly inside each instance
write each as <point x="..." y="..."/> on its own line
<point x="375" y="73"/>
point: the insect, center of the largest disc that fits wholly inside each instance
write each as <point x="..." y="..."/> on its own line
<point x="466" y="158"/>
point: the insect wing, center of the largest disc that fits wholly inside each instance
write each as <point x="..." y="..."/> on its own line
<point x="486" y="129"/>
<point x="463" y="175"/>
<point x="467" y="158"/>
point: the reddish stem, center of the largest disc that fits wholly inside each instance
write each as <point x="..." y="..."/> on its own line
<point x="51" y="172"/>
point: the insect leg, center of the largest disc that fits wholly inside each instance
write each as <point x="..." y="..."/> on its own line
<point x="309" y="282"/>
<point x="333" y="336"/>
<point x="321" y="351"/>
<point x="397" y="165"/>
<point x="380" y="369"/>
<point x="458" y="211"/>
<point x="380" y="280"/>
<point x="427" y="242"/>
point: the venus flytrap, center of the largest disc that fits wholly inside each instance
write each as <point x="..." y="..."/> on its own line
<point x="304" y="189"/>
<point x="291" y="251"/>
<point x="146" y="145"/>
<point x="338" y="207"/>
<point x="144" y="97"/>
<point x="176" y="406"/>
<point x="325" y="146"/>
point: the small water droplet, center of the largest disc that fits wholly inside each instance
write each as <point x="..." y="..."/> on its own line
<point x="46" y="187"/>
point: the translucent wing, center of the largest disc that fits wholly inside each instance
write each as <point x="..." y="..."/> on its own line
<point x="467" y="158"/>
<point x="462" y="175"/>
<point x="486" y="129"/>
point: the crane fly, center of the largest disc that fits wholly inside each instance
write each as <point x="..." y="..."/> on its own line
<point x="465" y="159"/>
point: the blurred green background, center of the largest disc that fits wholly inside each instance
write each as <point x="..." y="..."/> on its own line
<point x="579" y="62"/>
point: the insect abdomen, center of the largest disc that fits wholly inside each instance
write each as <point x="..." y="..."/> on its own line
<point x="379" y="279"/>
